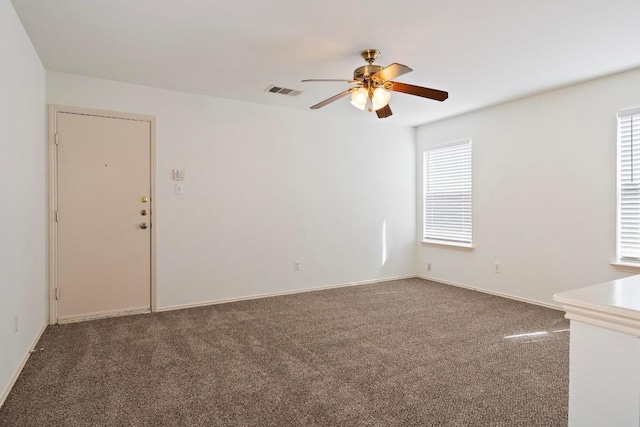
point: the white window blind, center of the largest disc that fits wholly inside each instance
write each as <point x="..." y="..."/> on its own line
<point x="447" y="194"/>
<point x="629" y="185"/>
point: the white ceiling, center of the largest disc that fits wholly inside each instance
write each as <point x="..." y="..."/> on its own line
<point x="481" y="52"/>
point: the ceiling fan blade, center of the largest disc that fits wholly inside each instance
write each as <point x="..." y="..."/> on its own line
<point x="392" y="71"/>
<point x="330" y="100"/>
<point x="328" y="80"/>
<point x="384" y="112"/>
<point x="425" y="92"/>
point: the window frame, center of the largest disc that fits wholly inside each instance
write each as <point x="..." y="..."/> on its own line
<point x="437" y="242"/>
<point x="622" y="263"/>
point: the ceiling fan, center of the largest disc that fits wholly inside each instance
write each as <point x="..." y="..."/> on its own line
<point x="373" y="85"/>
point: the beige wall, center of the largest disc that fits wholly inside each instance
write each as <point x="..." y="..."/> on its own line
<point x="23" y="195"/>
<point x="544" y="190"/>
<point x="266" y="186"/>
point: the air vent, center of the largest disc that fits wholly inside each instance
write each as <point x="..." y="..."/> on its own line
<point x="283" y="90"/>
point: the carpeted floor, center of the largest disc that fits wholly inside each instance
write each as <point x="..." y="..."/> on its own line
<point x="402" y="353"/>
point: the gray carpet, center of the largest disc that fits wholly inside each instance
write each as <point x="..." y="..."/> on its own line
<point x="403" y="353"/>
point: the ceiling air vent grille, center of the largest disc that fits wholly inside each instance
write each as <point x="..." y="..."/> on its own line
<point x="283" y="90"/>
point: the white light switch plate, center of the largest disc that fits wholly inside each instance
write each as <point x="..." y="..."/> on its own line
<point x="178" y="174"/>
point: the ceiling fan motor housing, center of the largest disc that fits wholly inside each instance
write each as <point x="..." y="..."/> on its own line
<point x="365" y="71"/>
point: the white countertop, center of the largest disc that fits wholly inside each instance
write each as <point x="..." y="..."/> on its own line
<point x="613" y="305"/>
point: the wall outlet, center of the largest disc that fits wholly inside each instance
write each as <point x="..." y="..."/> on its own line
<point x="497" y="268"/>
<point x="428" y="266"/>
<point x="15" y="324"/>
<point x="296" y="265"/>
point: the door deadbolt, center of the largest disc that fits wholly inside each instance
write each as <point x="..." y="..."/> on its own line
<point x="143" y="226"/>
<point x="144" y="199"/>
<point x="143" y="212"/>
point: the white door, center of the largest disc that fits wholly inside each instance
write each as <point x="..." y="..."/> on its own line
<point x="103" y="253"/>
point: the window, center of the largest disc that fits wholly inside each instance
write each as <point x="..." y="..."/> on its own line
<point x="447" y="194"/>
<point x="629" y="185"/>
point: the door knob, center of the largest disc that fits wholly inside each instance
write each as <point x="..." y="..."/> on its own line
<point x="143" y="225"/>
<point x="143" y="212"/>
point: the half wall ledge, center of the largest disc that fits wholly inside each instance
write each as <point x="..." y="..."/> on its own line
<point x="604" y="353"/>
<point x="612" y="305"/>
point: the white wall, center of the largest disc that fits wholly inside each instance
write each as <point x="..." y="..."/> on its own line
<point x="604" y="377"/>
<point x="23" y="194"/>
<point x="544" y="182"/>
<point x="266" y="186"/>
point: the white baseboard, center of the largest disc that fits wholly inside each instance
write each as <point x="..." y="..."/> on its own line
<point x="499" y="294"/>
<point x="16" y="374"/>
<point x="276" y="294"/>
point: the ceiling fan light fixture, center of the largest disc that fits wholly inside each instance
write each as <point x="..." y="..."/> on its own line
<point x="380" y="98"/>
<point x="359" y="98"/>
<point x="374" y="86"/>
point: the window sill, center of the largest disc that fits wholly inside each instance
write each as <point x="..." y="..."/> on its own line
<point x="458" y="246"/>
<point x="627" y="267"/>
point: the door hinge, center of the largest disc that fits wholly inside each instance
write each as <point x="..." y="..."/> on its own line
<point x="56" y="216"/>
<point x="56" y="138"/>
<point x="57" y="293"/>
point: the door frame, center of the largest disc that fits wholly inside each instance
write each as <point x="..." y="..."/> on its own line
<point x="53" y="200"/>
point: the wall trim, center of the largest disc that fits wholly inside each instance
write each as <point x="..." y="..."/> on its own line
<point x="277" y="294"/>
<point x="611" y="305"/>
<point x="499" y="294"/>
<point x="21" y="366"/>
<point x="603" y="319"/>
<point x="626" y="267"/>
<point x="364" y="282"/>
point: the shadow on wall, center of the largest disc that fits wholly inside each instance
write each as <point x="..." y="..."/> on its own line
<point x="384" y="242"/>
